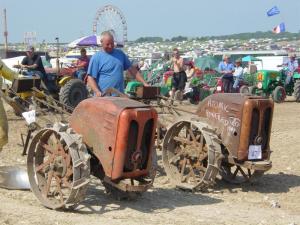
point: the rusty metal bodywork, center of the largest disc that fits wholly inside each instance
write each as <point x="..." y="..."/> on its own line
<point x="240" y="121"/>
<point x="120" y="132"/>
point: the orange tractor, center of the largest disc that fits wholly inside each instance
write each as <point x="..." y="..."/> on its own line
<point x="111" y="138"/>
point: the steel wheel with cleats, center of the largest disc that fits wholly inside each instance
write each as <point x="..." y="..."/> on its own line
<point x="58" y="167"/>
<point x="191" y="155"/>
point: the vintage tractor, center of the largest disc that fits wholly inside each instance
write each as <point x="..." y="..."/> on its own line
<point x="110" y="137"/>
<point x="60" y="86"/>
<point x="272" y="83"/>
<point x="228" y="134"/>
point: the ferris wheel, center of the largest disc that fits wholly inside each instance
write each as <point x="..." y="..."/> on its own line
<point x="110" y="18"/>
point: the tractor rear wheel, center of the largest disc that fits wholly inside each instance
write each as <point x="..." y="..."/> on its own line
<point x="279" y="94"/>
<point x="297" y="90"/>
<point x="191" y="155"/>
<point x="72" y="93"/>
<point x="58" y="166"/>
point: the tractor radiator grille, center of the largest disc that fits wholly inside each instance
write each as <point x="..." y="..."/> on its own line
<point x="134" y="142"/>
<point x="260" y="127"/>
<point x="131" y="145"/>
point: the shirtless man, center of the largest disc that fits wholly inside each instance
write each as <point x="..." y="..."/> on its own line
<point x="179" y="77"/>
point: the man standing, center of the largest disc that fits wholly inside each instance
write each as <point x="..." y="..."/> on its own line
<point x="292" y="66"/>
<point x="226" y="68"/>
<point x="179" y="77"/>
<point x="106" y="67"/>
<point x="238" y="73"/>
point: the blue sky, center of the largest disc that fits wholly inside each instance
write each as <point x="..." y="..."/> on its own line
<point x="70" y="19"/>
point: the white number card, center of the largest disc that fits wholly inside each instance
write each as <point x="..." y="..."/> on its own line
<point x="254" y="152"/>
<point x="29" y="116"/>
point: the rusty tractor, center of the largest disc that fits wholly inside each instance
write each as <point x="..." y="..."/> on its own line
<point x="111" y="138"/>
<point x="229" y="134"/>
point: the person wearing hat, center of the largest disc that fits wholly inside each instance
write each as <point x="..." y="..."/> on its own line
<point x="226" y="68"/>
<point x="238" y="73"/>
<point x="292" y="66"/>
<point x="32" y="63"/>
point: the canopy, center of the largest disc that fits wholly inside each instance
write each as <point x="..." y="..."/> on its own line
<point x="91" y="40"/>
<point x="250" y="58"/>
<point x="207" y="62"/>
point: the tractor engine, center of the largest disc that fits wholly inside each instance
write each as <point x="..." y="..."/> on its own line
<point x="119" y="132"/>
<point x="241" y="122"/>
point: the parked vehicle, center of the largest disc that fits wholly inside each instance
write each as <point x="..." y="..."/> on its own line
<point x="272" y="83"/>
<point x="62" y="86"/>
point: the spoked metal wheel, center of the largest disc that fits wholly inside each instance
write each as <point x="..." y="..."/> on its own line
<point x="236" y="174"/>
<point x="191" y="155"/>
<point x="58" y="167"/>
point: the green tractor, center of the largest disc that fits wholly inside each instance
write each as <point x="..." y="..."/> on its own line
<point x="272" y="83"/>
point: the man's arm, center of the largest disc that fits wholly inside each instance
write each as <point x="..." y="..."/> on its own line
<point x="92" y="83"/>
<point x="81" y="64"/>
<point x="138" y="76"/>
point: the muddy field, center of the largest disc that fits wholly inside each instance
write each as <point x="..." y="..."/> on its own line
<point x="274" y="199"/>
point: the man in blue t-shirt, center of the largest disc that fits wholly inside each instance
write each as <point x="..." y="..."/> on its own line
<point x="106" y="67"/>
<point x="226" y="68"/>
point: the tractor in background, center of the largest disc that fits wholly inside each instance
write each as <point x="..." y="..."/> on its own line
<point x="61" y="86"/>
<point x="272" y="83"/>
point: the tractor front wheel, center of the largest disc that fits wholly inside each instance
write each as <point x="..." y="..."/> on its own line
<point x="252" y="90"/>
<point x="244" y="89"/>
<point x="279" y="94"/>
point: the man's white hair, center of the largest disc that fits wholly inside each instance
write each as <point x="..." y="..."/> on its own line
<point x="106" y="33"/>
<point x="225" y="56"/>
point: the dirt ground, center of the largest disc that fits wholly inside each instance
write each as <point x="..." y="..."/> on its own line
<point x="274" y="199"/>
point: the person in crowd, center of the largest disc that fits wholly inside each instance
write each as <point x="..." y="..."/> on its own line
<point x="143" y="65"/>
<point x="238" y="73"/>
<point x="226" y="68"/>
<point x="179" y="77"/>
<point x="106" y="67"/>
<point x="189" y="70"/>
<point x="292" y="66"/>
<point x="81" y="65"/>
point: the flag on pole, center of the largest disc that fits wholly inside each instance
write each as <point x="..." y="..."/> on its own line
<point x="279" y="28"/>
<point x="273" y="11"/>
